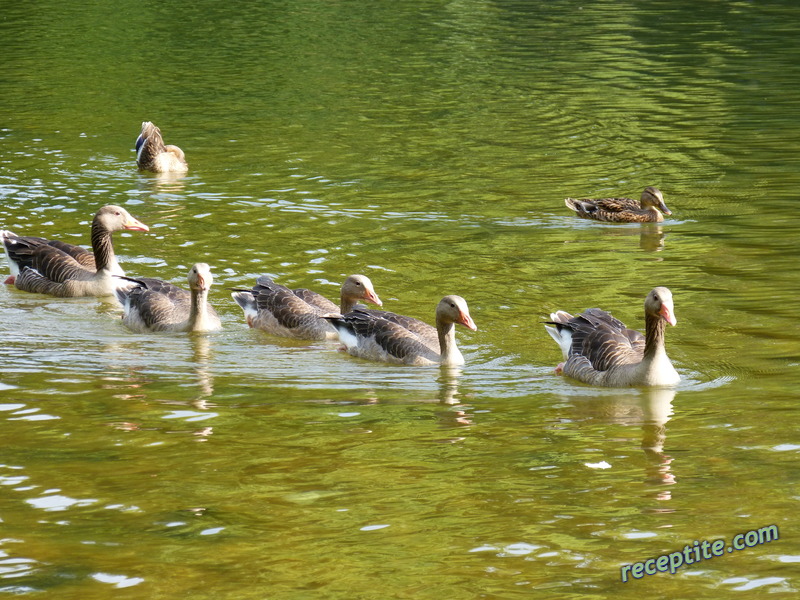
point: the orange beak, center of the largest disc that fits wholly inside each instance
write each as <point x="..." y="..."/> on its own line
<point x="134" y="225"/>
<point x="465" y="320"/>
<point x="371" y="296"/>
<point x="666" y="314"/>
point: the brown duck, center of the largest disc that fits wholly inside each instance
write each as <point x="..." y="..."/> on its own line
<point x="649" y="209"/>
<point x="153" y="155"/>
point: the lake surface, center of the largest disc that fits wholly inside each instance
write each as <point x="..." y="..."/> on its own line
<point x="428" y="145"/>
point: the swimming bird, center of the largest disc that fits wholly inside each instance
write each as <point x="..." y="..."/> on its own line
<point x="153" y="155"/>
<point x="276" y="309"/>
<point x="600" y="350"/>
<point x="65" y="270"/>
<point x="156" y="305"/>
<point x="382" y="336"/>
<point x="648" y="209"/>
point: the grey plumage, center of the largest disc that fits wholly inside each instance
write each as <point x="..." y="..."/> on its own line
<point x="156" y="305"/>
<point x="65" y="270"/>
<point x="280" y="311"/>
<point x="389" y="337"/>
<point x="600" y="350"/>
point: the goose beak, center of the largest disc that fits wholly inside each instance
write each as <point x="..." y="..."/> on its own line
<point x="465" y="320"/>
<point x="666" y="313"/>
<point x="134" y="225"/>
<point x="372" y="297"/>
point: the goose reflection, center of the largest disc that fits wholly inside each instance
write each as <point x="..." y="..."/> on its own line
<point x="650" y="408"/>
<point x="450" y="396"/>
<point x="201" y="356"/>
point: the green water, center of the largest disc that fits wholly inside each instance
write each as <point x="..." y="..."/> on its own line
<point x="428" y="145"/>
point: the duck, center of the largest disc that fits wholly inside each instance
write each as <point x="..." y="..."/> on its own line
<point x="153" y="155"/>
<point x="156" y="305"/>
<point x="600" y="350"/>
<point x="65" y="270"/>
<point x="649" y="209"/>
<point x="385" y="337"/>
<point x="283" y="312"/>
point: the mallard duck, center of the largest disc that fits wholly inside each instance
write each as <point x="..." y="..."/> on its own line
<point x="296" y="314"/>
<point x="65" y="270"/>
<point x="382" y="336"/>
<point x="600" y="350"/>
<point x="156" y="305"/>
<point x="649" y="209"/>
<point x="153" y="155"/>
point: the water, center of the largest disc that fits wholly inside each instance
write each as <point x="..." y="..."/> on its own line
<point x="428" y="145"/>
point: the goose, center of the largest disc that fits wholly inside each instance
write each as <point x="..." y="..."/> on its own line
<point x="153" y="155"/>
<point x="65" y="270"/>
<point x="649" y="209"/>
<point x="156" y="305"/>
<point x="296" y="314"/>
<point x="600" y="350"/>
<point x="382" y="336"/>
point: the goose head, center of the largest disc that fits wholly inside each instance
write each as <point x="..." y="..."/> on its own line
<point x="200" y="278"/>
<point x="659" y="304"/>
<point x="652" y="197"/>
<point x="359" y="287"/>
<point x="454" y="309"/>
<point x="115" y="218"/>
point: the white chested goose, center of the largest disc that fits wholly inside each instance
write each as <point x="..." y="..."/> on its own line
<point x="153" y="155"/>
<point x="382" y="336"/>
<point x="297" y="314"/>
<point x="65" y="270"/>
<point x="156" y="305"/>
<point x="600" y="350"/>
<point x="648" y="209"/>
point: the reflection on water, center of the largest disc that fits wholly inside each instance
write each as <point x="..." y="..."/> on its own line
<point x="649" y="409"/>
<point x="651" y="238"/>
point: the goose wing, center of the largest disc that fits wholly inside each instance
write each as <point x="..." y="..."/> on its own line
<point x="420" y="329"/>
<point x="369" y="335"/>
<point x="153" y="303"/>
<point x="49" y="262"/>
<point x="316" y="300"/>
<point x="604" y="340"/>
<point x="289" y="310"/>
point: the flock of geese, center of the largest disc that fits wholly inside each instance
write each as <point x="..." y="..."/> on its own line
<point x="597" y="348"/>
